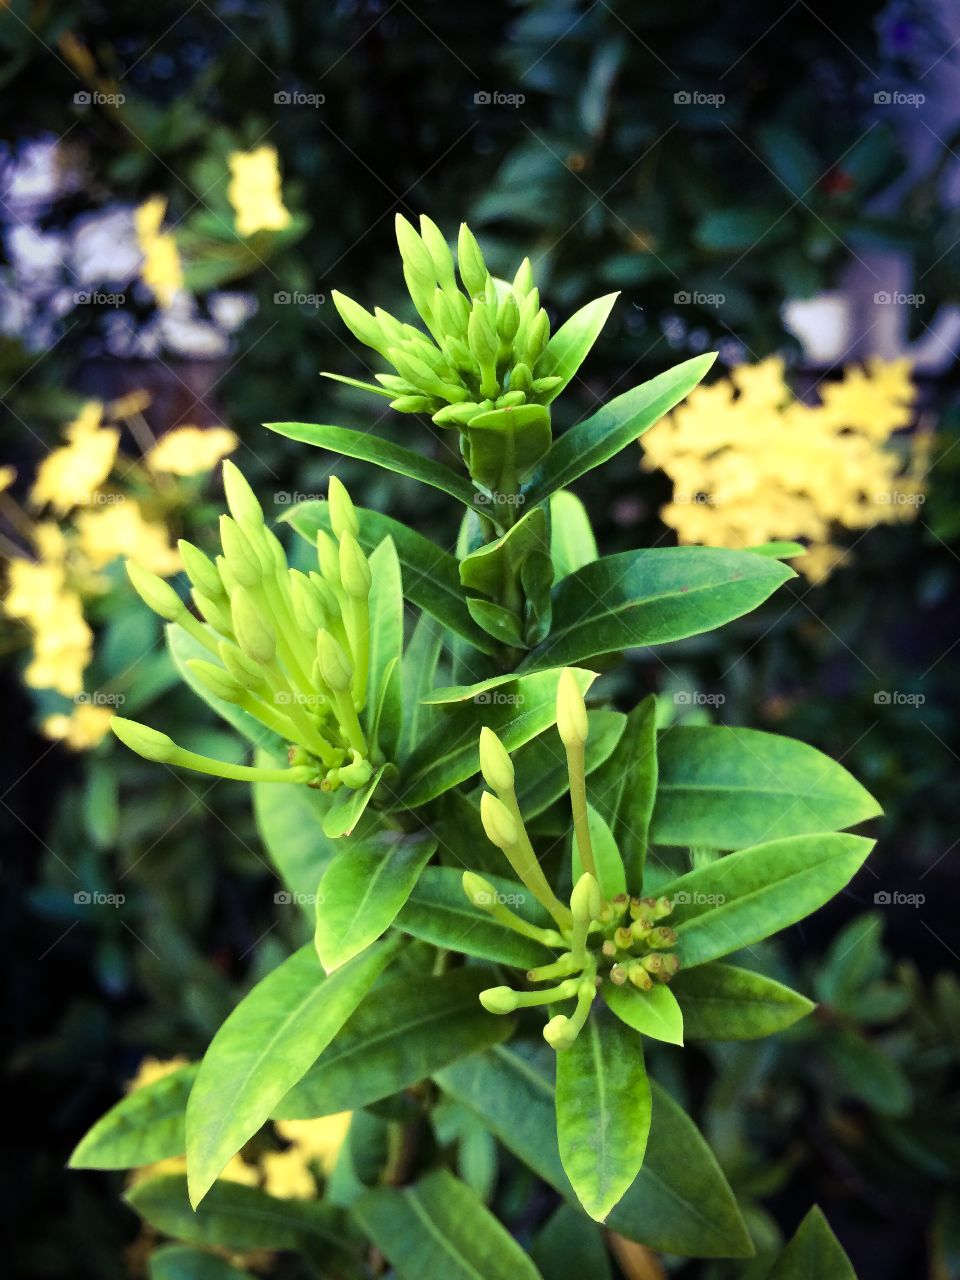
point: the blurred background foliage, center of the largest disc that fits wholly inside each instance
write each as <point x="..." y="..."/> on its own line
<point x="681" y="154"/>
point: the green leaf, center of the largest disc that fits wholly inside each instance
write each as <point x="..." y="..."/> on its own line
<point x="438" y="911"/>
<point x="726" y="788"/>
<point x="654" y="1013"/>
<point x="419" y="675"/>
<point x="517" y="708"/>
<point x="779" y="550"/>
<point x="144" y="1127"/>
<point x="858" y="1068"/>
<point x="384" y="699"/>
<point x="439" y="1227"/>
<point x="814" y="1253"/>
<point x="496" y="620"/>
<point x="680" y="1202"/>
<point x="617" y="424"/>
<point x="640" y="598"/>
<point x="740" y="899"/>
<point x="234" y="1216"/>
<point x="610" y="870"/>
<point x="180" y="1262"/>
<point x="541" y="766"/>
<point x="570" y="1245"/>
<point x="402" y="1033"/>
<point x="363" y="889"/>
<point x="572" y="543"/>
<point x="494" y="569"/>
<point x="290" y="823"/>
<point x="603" y="1112"/>
<point x="504" y="445"/>
<point x="383" y="453"/>
<point x="431" y="577"/>
<point x="266" y="1044"/>
<point x="348" y="807"/>
<point x="723" y="1002"/>
<point x="625" y="788"/>
<point x="570" y="345"/>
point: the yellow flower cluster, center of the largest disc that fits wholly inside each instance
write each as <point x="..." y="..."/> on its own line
<point x="750" y="463"/>
<point x="255" y="191"/>
<point x="46" y="588"/>
<point x="286" y="1174"/>
<point x="161" y="270"/>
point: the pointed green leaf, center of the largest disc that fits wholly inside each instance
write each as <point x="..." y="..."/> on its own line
<point x="290" y="823"/>
<point x="610" y="870"/>
<point x="419" y="677"/>
<point x="439" y="1227"/>
<point x="348" y="806"/>
<point x="572" y="542"/>
<point x="814" y="1253"/>
<point x="144" y="1127"/>
<point x="570" y="1245"/>
<point x="266" y="1044"/>
<point x="640" y="598"/>
<point x="504" y="445"/>
<point x="363" y="889"/>
<point x="740" y="899"/>
<point x="180" y="1262"/>
<point x="625" y="788"/>
<point x="384" y="698"/>
<point x="616" y="425"/>
<point x="571" y="344"/>
<point x="723" y="1002"/>
<point x="402" y="1033"/>
<point x="726" y="788"/>
<point x="603" y="1112"/>
<point x="655" y="1013"/>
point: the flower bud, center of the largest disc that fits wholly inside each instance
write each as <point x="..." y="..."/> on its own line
<point x="541" y="386"/>
<point x="473" y="269"/>
<point x="240" y="556"/>
<point x="392" y="328"/>
<point x="308" y="612"/>
<point x="241" y="499"/>
<point x="510" y="399"/>
<point x="146" y="742"/>
<point x="343" y="514"/>
<point x="336" y="668"/>
<point x="536" y="338"/>
<point x="558" y="1033"/>
<point x="639" y="977"/>
<point x="412" y="404"/>
<point x="671" y="966"/>
<point x="415" y="254"/>
<point x="246" y="672"/>
<point x="618" y="975"/>
<point x="357" y="773"/>
<point x="572" y="723"/>
<point x="586" y="901"/>
<point x="499" y="1000"/>
<point x="216" y="681"/>
<point x="495" y="763"/>
<point x="360" y="322"/>
<point x="482" y="337"/>
<point x="661" y="938"/>
<point x="508" y="317"/>
<point x="354" y="569"/>
<point x="201" y="570"/>
<point x="325" y="593"/>
<point x="155" y="593"/>
<point x="480" y="892"/>
<point x="440" y="253"/>
<point x="255" y="634"/>
<point x="523" y="280"/>
<point x="521" y="378"/>
<point x="328" y="554"/>
<point x="216" y="612"/>
<point x="457" y="414"/>
<point x="623" y="938"/>
<point x="497" y="821"/>
<point x="662" y="907"/>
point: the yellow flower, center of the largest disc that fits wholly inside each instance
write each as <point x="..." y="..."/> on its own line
<point x="876" y="400"/>
<point x="120" y="529"/>
<point x="153" y="1069"/>
<point x="132" y="403"/>
<point x="82" y="729"/>
<point x="161" y="270"/>
<point x="67" y="477"/>
<point x="7" y="477"/>
<point x="317" y="1140"/>
<point x="254" y="191"/>
<point x="62" y="641"/>
<point x="287" y="1174"/>
<point x="188" y="451"/>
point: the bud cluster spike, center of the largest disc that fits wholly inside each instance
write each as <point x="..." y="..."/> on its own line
<point x="291" y="649"/>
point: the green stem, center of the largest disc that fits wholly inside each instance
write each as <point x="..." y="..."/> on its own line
<point x="576" y="770"/>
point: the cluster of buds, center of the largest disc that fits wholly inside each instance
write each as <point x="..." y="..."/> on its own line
<point x="484" y="341"/>
<point x="291" y="649"/>
<point x="620" y="939"/>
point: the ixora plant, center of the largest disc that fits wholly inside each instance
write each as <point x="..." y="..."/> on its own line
<point x="440" y="998"/>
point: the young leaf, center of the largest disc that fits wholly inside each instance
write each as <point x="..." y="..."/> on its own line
<point x="180" y="1262"/>
<point x="614" y="426"/>
<point x="504" y="445"/>
<point x="641" y="598"/>
<point x="382" y="453"/>
<point x="570" y="345"/>
<point x="603" y="1112"/>
<point x="625" y="788"/>
<point x="363" y="888"/>
<point x="402" y="1032"/>
<point x="723" y="1002"/>
<point x="438" y="911"/>
<point x="570" y="1245"/>
<point x="726" y="788"/>
<point x="419" y="677"/>
<point x="343" y="815"/>
<point x="266" y="1044"/>
<point x="431" y="576"/>
<point x="572" y="543"/>
<point x="610" y="870"/>
<point x="655" y="1013"/>
<point x="144" y="1127"/>
<point x="384" y="705"/>
<point x="814" y="1253"/>
<point x="439" y="1227"/>
<point x="290" y="823"/>
<point x="740" y="899"/>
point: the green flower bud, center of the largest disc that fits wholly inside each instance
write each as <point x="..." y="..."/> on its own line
<point x="671" y="966"/>
<point x="558" y="1033"/>
<point x="146" y="742"/>
<point x="354" y="569"/>
<point x="336" y="668"/>
<point x="499" y="1000"/>
<point x="325" y="593"/>
<point x="536" y="339"/>
<point x="639" y="977"/>
<point x="357" y="773"/>
<point x="457" y="414"/>
<point x="412" y="404"/>
<point x="479" y="891"/>
<point x="243" y="669"/>
<point x="460" y="355"/>
<point x="572" y="723"/>
<point x="495" y="763"/>
<point x="216" y="681"/>
<point x="216" y="612"/>
<point x="343" y="514"/>
<point x="482" y="337"/>
<point x="415" y="254"/>
<point x="360" y="322"/>
<point x="653" y="965"/>
<point x="520" y="377"/>
<point x="473" y="269"/>
<point x="661" y="938"/>
<point x="155" y="593"/>
<point x="423" y="378"/>
<point x="308" y="612"/>
<point x="239" y="554"/>
<point x="510" y="399"/>
<point x="623" y="938"/>
<point x="201" y="570"/>
<point x="241" y="499"/>
<point x="254" y="632"/>
<point x="662" y="907"/>
<point x="497" y="821"/>
<point x="392" y="328"/>
<point x="328" y="553"/>
<point x="439" y="252"/>
<point x="586" y="901"/>
<point x="542" y="386"/>
<point x="618" y="975"/>
<point x="523" y="280"/>
<point x="399" y="386"/>
<point x="446" y="314"/>
<point x="227" y="576"/>
<point x="508" y="317"/>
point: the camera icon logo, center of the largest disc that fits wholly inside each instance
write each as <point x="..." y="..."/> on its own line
<point x="882" y="97"/>
<point x="882" y="698"/>
<point x="82" y="98"/>
<point x="682" y="98"/>
<point x="282" y="98"/>
<point x="682" y="298"/>
<point x="282" y="898"/>
<point x="881" y="898"/>
<point x="282" y="298"/>
<point x="82" y="898"/>
<point x="482" y="98"/>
